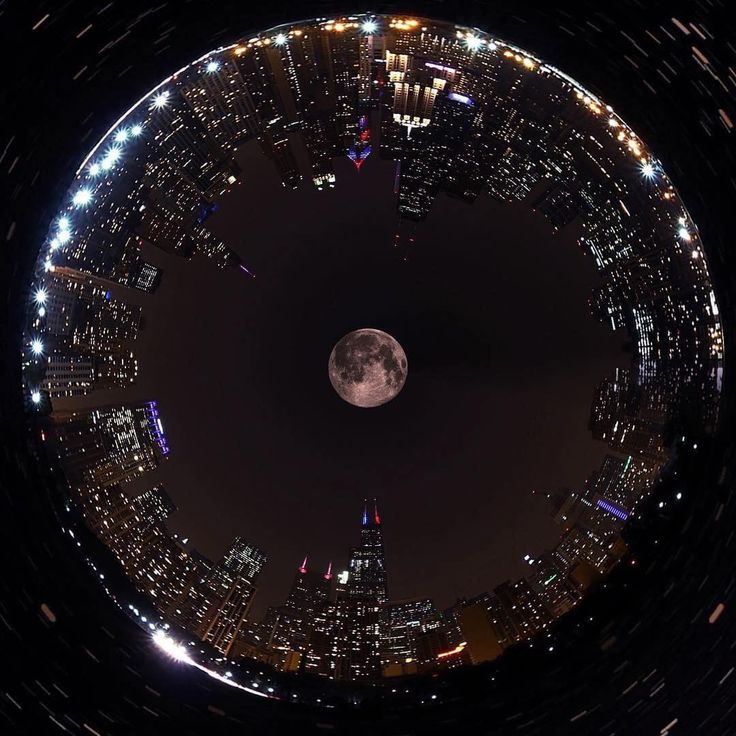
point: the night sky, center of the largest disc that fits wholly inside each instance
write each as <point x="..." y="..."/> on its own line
<point x="504" y="357"/>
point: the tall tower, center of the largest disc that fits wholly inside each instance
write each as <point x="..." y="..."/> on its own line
<point x="290" y="625"/>
<point x="220" y="602"/>
<point x="368" y="580"/>
<point x="345" y="637"/>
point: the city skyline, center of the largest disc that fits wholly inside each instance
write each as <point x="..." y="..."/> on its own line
<point x="437" y="121"/>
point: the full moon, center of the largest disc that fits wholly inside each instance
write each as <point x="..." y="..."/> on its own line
<point x="367" y="368"/>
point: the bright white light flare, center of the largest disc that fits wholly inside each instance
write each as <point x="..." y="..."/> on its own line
<point x="160" y="100"/>
<point x="647" y="169"/>
<point x="167" y="645"/>
<point x="82" y="197"/>
<point x="111" y="157"/>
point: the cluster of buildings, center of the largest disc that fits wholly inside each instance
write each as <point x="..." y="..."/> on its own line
<point x="462" y="115"/>
<point x="102" y="451"/>
<point x="345" y="625"/>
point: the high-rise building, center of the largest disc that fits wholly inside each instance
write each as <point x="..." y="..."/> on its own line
<point x="234" y="598"/>
<point x="428" y="154"/>
<point x="310" y="590"/>
<point x="368" y="579"/>
<point x="134" y="529"/>
<point x="67" y="374"/>
<point x="523" y="606"/>
<point x="111" y="444"/>
<point x="632" y="418"/>
<point x="401" y="622"/>
<point x="479" y="634"/>
<point x="178" y="137"/>
<point x="154" y="504"/>
<point x="344" y="640"/>
<point x="216" y="604"/>
<point x="221" y="101"/>
<point x="89" y="335"/>
<point x="243" y="558"/>
<point x="346" y="634"/>
<point x="550" y="580"/>
<point x="80" y="307"/>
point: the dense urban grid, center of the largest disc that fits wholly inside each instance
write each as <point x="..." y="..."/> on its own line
<point x="460" y="113"/>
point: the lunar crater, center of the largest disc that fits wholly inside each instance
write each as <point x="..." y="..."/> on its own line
<point x="367" y="368"/>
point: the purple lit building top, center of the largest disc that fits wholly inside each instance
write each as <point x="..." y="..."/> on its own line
<point x="460" y="98"/>
<point x="613" y="509"/>
<point x="156" y="427"/>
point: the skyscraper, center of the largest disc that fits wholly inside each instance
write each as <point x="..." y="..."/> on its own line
<point x="400" y="624"/>
<point x="90" y="335"/>
<point x="221" y="101"/>
<point x="111" y="444"/>
<point x="345" y="637"/>
<point x="367" y="566"/>
<point x="289" y="627"/>
<point x="215" y="606"/>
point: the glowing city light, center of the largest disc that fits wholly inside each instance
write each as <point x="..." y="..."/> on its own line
<point x="111" y="157"/>
<point x="170" y="647"/>
<point x="37" y="346"/>
<point x="647" y="169"/>
<point x="36" y="397"/>
<point x="40" y="296"/>
<point x="472" y="42"/>
<point x="280" y="39"/>
<point x="94" y="169"/>
<point x="122" y="135"/>
<point x="369" y="27"/>
<point x="684" y="234"/>
<point x="136" y="130"/>
<point x="64" y="223"/>
<point x="160" y="100"/>
<point x="459" y="648"/>
<point x="212" y="66"/>
<point x="82" y="197"/>
<point x="63" y="237"/>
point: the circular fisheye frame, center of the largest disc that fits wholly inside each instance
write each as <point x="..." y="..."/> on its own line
<point x="454" y="115"/>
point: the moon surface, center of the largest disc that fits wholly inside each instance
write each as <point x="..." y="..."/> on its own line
<point x="367" y="368"/>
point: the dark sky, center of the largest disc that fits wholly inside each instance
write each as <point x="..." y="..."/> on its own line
<point x="503" y="359"/>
